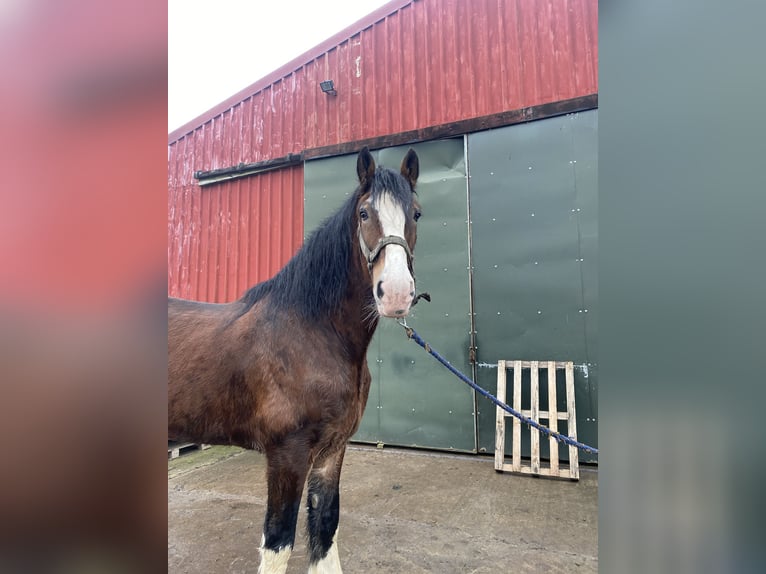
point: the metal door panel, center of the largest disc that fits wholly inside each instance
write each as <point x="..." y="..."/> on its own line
<point x="413" y="401"/>
<point x="533" y="210"/>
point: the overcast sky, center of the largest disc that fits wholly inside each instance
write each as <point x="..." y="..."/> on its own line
<point x="216" y="49"/>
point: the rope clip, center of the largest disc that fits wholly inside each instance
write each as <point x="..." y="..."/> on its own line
<point x="403" y="323"/>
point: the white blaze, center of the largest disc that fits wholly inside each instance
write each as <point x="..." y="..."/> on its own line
<point x="396" y="281"/>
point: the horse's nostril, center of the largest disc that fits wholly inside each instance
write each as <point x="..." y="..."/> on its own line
<point x="412" y="293"/>
<point x="379" y="289"/>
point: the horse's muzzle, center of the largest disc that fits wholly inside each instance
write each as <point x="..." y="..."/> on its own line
<point x="394" y="286"/>
<point x="394" y="305"/>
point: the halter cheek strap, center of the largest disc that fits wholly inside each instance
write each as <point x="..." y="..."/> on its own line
<point x="372" y="256"/>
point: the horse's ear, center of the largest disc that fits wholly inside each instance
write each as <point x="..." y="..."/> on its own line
<point x="365" y="166"/>
<point x="411" y="167"/>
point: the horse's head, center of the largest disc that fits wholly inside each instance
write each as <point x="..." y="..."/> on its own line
<point x="388" y="211"/>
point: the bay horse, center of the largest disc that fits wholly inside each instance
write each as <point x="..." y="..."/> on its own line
<point x="283" y="370"/>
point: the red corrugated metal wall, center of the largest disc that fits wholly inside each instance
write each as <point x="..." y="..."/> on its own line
<point x="419" y="64"/>
<point x="228" y="236"/>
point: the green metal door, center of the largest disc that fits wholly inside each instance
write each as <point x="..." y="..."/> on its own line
<point x="533" y="190"/>
<point x="414" y="402"/>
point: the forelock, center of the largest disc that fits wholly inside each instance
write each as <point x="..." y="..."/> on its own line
<point x="393" y="184"/>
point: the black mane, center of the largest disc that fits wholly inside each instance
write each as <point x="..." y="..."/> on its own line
<point x="315" y="280"/>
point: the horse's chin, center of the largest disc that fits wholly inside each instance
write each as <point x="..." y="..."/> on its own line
<point x="393" y="313"/>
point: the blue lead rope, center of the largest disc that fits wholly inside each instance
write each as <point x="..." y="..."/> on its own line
<point x="411" y="334"/>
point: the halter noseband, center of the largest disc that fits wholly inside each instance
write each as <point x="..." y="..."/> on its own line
<point x="372" y="256"/>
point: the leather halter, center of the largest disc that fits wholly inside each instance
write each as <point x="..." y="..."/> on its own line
<point x="372" y="256"/>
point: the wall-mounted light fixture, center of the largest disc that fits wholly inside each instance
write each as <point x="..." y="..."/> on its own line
<point x="328" y="87"/>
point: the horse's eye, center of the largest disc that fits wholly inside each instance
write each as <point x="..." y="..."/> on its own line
<point x="417" y="215"/>
<point x="363" y="214"/>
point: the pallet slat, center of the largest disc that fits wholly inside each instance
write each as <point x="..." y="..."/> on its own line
<point x="516" y="458"/>
<point x="177" y="449"/>
<point x="499" y="424"/>
<point x="562" y="416"/>
<point x="553" y="421"/>
<point x="572" y="421"/>
<point x="528" y="364"/>
<point x="535" y="416"/>
<point x="563" y="471"/>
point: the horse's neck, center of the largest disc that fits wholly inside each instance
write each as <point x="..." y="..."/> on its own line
<point x="356" y="321"/>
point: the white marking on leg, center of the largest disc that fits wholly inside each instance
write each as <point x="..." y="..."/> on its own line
<point x="330" y="564"/>
<point x="273" y="562"/>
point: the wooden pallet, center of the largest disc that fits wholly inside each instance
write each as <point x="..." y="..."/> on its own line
<point x="176" y="449"/>
<point x="554" y="468"/>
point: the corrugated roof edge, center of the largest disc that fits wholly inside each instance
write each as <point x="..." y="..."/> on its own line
<point x="295" y="64"/>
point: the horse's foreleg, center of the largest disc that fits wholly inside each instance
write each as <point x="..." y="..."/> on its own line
<point x="286" y="473"/>
<point x="323" y="515"/>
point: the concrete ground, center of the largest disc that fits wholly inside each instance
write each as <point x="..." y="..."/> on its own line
<point x="402" y="511"/>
